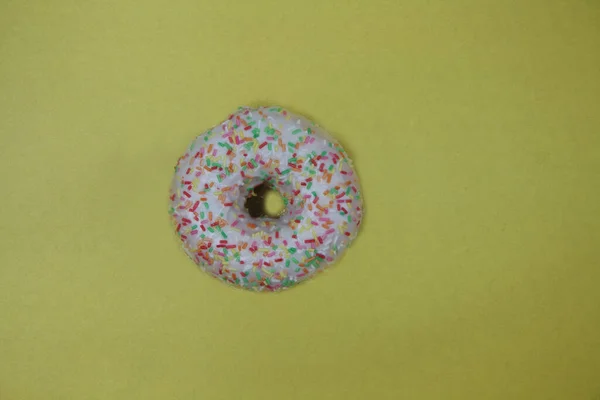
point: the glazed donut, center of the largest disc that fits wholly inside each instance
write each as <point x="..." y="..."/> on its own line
<point x="222" y="178"/>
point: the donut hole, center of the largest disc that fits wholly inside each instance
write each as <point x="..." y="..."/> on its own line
<point x="274" y="205"/>
<point x="264" y="202"/>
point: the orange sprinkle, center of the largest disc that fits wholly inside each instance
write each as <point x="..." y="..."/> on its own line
<point x="210" y="215"/>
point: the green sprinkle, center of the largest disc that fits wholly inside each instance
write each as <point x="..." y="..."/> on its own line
<point x="194" y="227"/>
<point x="292" y="250"/>
<point x="226" y="145"/>
<point x="309" y="185"/>
<point x="287" y="263"/>
<point x="296" y="131"/>
<point x="202" y="214"/>
<point x="285" y="171"/>
<point x="224" y="235"/>
<point x="211" y="229"/>
<point x="206" y="205"/>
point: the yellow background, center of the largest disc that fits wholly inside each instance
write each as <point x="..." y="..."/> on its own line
<point x="475" y="128"/>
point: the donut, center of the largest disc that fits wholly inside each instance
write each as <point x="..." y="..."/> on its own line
<point x="217" y="199"/>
